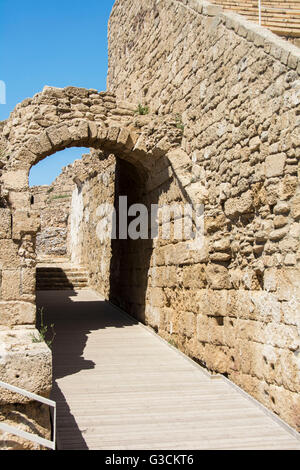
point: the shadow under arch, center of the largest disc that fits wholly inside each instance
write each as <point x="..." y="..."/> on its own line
<point x="63" y="118"/>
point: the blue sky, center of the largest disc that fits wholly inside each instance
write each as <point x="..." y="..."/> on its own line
<point x="57" y="43"/>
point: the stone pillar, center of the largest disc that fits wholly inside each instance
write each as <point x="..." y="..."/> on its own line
<point x="23" y="363"/>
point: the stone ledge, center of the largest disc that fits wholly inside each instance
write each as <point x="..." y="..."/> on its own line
<point x="24" y="364"/>
<point x="287" y="53"/>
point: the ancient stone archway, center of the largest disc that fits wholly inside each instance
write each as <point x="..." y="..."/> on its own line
<point x="60" y="118"/>
<point x="39" y="127"/>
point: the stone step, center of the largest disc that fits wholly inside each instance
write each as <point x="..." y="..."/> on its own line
<point x="61" y="281"/>
<point x="66" y="287"/>
<point x="61" y="286"/>
<point x="62" y="275"/>
<point x="60" y="269"/>
<point x="57" y="280"/>
<point x="61" y="278"/>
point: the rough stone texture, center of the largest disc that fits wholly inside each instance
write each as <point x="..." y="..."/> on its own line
<point x="89" y="227"/>
<point x="222" y="130"/>
<point x="53" y="205"/>
<point x="235" y="87"/>
<point x="27" y="365"/>
<point x="31" y="418"/>
<point x="39" y="127"/>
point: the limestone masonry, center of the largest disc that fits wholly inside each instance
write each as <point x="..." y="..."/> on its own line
<point x="223" y="131"/>
<point x="234" y="307"/>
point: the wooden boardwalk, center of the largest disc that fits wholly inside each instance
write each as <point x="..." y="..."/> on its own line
<point x="118" y="386"/>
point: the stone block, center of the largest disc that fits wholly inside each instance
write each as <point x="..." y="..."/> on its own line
<point x="157" y="297"/>
<point x="295" y="207"/>
<point x="15" y="180"/>
<point x="9" y="257"/>
<point x="165" y="276"/>
<point x="5" y="223"/>
<point x="218" y="277"/>
<point x="123" y="136"/>
<point x="189" y="324"/>
<point x="19" y="200"/>
<point x="59" y="136"/>
<point x="102" y="134"/>
<point x="28" y="280"/>
<point x="194" y="277"/>
<point x="24" y="222"/>
<point x="93" y="130"/>
<point x="178" y="158"/>
<point x="261" y="306"/>
<point x="40" y="145"/>
<point x="237" y="206"/>
<point x="213" y="302"/>
<point x="10" y="286"/>
<point x="98" y="109"/>
<point x="152" y="316"/>
<point x="113" y="133"/>
<point x="210" y="330"/>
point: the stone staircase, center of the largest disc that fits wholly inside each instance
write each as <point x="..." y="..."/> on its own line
<point x="61" y="277"/>
<point x="281" y="17"/>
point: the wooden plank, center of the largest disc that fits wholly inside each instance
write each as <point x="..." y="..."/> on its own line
<point x="117" y="386"/>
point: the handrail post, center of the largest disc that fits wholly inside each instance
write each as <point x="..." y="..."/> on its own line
<point x="259" y="12"/>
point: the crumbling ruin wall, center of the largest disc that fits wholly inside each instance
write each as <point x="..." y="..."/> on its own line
<point x="53" y="205"/>
<point x="235" y="87"/>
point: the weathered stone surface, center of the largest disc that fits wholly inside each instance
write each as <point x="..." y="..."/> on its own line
<point x="237" y="206"/>
<point x="9" y="254"/>
<point x="10" y="286"/>
<point x="218" y="277"/>
<point x="237" y="146"/>
<point x="24" y="222"/>
<point x="178" y="158"/>
<point x="5" y="223"/>
<point x="59" y="136"/>
<point x="15" y="180"/>
<point x="24" y="364"/>
<point x="40" y="145"/>
<point x="16" y="313"/>
<point x="223" y="101"/>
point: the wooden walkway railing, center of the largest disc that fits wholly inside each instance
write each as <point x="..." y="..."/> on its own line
<point x="119" y="386"/>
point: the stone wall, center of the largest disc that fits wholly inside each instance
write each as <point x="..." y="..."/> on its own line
<point x="279" y="16"/>
<point x="222" y="131"/>
<point x="89" y="226"/>
<point x="234" y="86"/>
<point x="39" y="127"/>
<point x="53" y="206"/>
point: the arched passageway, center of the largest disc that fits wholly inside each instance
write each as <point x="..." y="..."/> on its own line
<point x="51" y="121"/>
<point x="54" y="120"/>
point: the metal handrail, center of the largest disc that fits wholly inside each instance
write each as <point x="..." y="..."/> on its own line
<point x="26" y="435"/>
